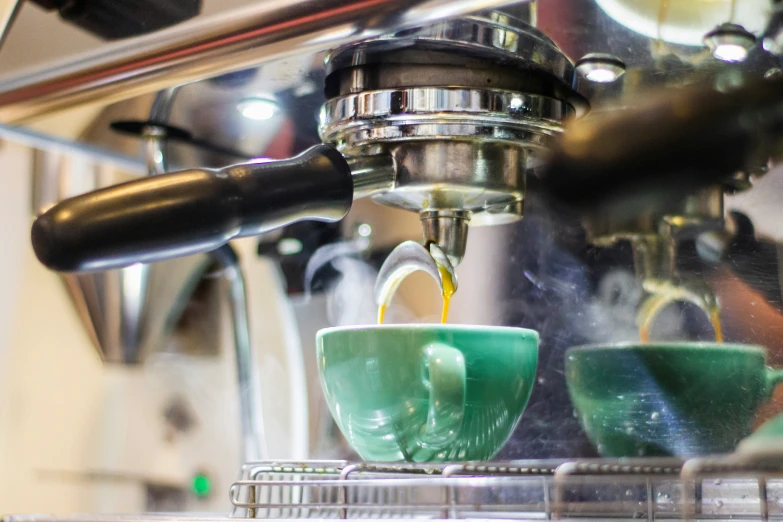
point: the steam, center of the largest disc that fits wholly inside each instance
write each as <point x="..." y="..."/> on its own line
<point x="551" y="289"/>
<point x="613" y="311"/>
<point x="328" y="253"/>
<point x="351" y="299"/>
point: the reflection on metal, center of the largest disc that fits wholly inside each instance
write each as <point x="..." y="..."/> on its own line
<point x="8" y="17"/>
<point x="600" y="68"/>
<point x="730" y="42"/>
<point x="214" y="45"/>
<point x="448" y="230"/>
<point x="259" y="109"/>
<point x="396" y="125"/>
<point x="97" y="154"/>
<point x="731" y="487"/>
<point x="371" y="174"/>
<point x="654" y="234"/>
<point x="685" y="23"/>
<point x="665" y="292"/>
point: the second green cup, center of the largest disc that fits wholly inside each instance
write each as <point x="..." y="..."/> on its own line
<point x="678" y="399"/>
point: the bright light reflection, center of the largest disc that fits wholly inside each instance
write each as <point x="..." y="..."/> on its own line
<point x="730" y="52"/>
<point x="601" y="75"/>
<point x="289" y="246"/>
<point x="257" y="108"/>
<point x="365" y="230"/>
<point x="515" y="102"/>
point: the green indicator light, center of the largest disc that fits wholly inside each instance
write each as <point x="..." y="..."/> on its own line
<point x="202" y="485"/>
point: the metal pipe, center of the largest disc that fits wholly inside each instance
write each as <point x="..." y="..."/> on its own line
<point x="248" y="380"/>
<point x="97" y="155"/>
<point x="250" y="410"/>
<point x="155" y="135"/>
<point x="218" y="44"/>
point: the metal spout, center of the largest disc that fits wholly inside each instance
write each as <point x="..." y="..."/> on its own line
<point x="449" y="230"/>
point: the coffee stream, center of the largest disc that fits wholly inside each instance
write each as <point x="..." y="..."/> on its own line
<point x="448" y="292"/>
<point x="715" y="320"/>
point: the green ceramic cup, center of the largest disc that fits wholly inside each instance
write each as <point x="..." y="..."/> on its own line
<point x="427" y="392"/>
<point x="675" y="399"/>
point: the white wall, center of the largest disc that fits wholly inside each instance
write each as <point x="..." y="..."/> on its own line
<point x="14" y="218"/>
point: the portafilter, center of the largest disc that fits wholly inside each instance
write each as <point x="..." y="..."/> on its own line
<point x="444" y="120"/>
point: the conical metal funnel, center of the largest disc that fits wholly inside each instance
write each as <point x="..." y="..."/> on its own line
<point x="129" y="312"/>
<point x="111" y="306"/>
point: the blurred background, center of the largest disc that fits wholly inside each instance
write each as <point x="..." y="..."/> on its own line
<point x="81" y="435"/>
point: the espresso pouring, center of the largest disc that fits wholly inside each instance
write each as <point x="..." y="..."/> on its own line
<point x="448" y="291"/>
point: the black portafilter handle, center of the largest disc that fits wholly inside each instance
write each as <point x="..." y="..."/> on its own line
<point x="667" y="146"/>
<point x="191" y="211"/>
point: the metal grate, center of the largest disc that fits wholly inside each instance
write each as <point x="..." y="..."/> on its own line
<point x="727" y="488"/>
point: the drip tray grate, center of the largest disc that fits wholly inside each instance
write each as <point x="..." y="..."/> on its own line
<point x="726" y="488"/>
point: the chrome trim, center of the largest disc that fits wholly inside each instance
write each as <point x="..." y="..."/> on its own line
<point x="426" y="113"/>
<point x="509" y="40"/>
<point x="369" y="133"/>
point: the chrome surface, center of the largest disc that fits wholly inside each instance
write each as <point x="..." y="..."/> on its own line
<point x="730" y="42"/>
<point x="214" y="45"/>
<point x="97" y="153"/>
<point x="488" y="34"/>
<point x="600" y="67"/>
<point x="363" y="119"/>
<point x="129" y="313"/>
<point x="371" y="174"/>
<point x="465" y="108"/>
<point x="655" y="235"/>
<point x="456" y="175"/>
<point x="112" y="308"/>
<point x="115" y="305"/>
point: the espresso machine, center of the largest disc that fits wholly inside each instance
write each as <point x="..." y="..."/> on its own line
<point x="573" y="138"/>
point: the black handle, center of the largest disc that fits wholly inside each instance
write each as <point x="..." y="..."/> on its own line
<point x="192" y="211"/>
<point x="666" y="147"/>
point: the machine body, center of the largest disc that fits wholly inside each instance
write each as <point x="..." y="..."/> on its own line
<point x="445" y="121"/>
